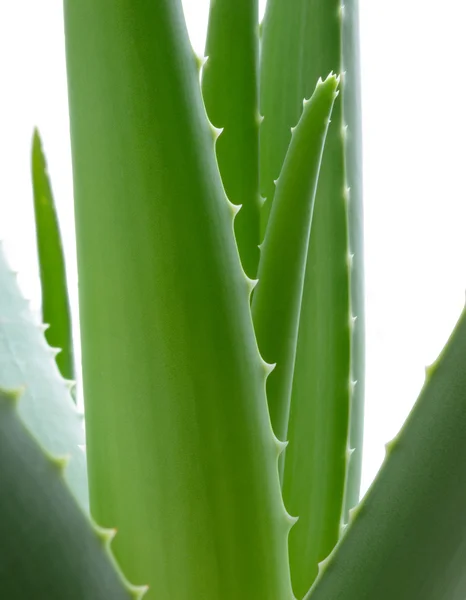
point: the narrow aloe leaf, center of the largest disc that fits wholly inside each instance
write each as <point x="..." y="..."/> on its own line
<point x="230" y="91"/>
<point x="46" y="407"/>
<point x="407" y="538"/>
<point x="182" y="458"/>
<point x="49" y="548"/>
<point x="55" y="303"/>
<point x="277" y="298"/>
<point x="301" y="41"/>
<point x="352" y="134"/>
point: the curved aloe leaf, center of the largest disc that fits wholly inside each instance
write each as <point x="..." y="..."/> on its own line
<point x="407" y="537"/>
<point x="55" y="303"/>
<point x="26" y="361"/>
<point x="302" y="40"/>
<point x="277" y="299"/>
<point x="230" y="91"/>
<point x="182" y="458"/>
<point x="49" y="548"/>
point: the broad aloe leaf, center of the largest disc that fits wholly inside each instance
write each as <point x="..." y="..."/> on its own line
<point x="55" y="303"/>
<point x="302" y="40"/>
<point x="230" y="91"/>
<point x="182" y="458"/>
<point x="277" y="299"/>
<point x="407" y="537"/>
<point x="46" y="407"/>
<point x="49" y="548"/>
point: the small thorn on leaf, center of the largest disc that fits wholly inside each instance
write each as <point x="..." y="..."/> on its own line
<point x="268" y="367"/>
<point x="430" y="370"/>
<point x="13" y="396"/>
<point x="280" y="445"/>
<point x="105" y="535"/>
<point x="201" y="61"/>
<point x="390" y="446"/>
<point x="353" y="512"/>
<point x="235" y="208"/>
<point x="216" y="131"/>
<point x="349" y="453"/>
<point x="138" y="592"/>
<point x="70" y="384"/>
<point x="251" y="283"/>
<point x="322" y="565"/>
<point x="291" y="520"/>
<point x="60" y="462"/>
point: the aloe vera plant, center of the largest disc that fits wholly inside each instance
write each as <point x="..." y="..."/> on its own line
<point x="219" y="234"/>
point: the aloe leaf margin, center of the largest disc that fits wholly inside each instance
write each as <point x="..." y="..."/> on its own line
<point x="26" y="361"/>
<point x="230" y="89"/>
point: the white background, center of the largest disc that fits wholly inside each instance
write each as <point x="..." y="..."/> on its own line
<point x="413" y="55"/>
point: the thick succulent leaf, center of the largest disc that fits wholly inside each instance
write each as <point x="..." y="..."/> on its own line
<point x="407" y="538"/>
<point x="277" y="299"/>
<point x="230" y="91"/>
<point x="302" y="40"/>
<point x="26" y="361"/>
<point x="55" y="303"/>
<point x="182" y="458"/>
<point x="49" y="548"/>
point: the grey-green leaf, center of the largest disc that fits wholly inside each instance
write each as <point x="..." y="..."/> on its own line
<point x="26" y="361"/>
<point x="49" y="549"/>
<point x="407" y="539"/>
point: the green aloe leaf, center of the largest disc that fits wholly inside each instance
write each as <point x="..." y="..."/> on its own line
<point x="407" y="537"/>
<point x="49" y="548"/>
<point x="302" y="40"/>
<point x="230" y="91"/>
<point x="182" y="458"/>
<point x="352" y="136"/>
<point x="26" y="361"/>
<point x="55" y="303"/>
<point x="277" y="299"/>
